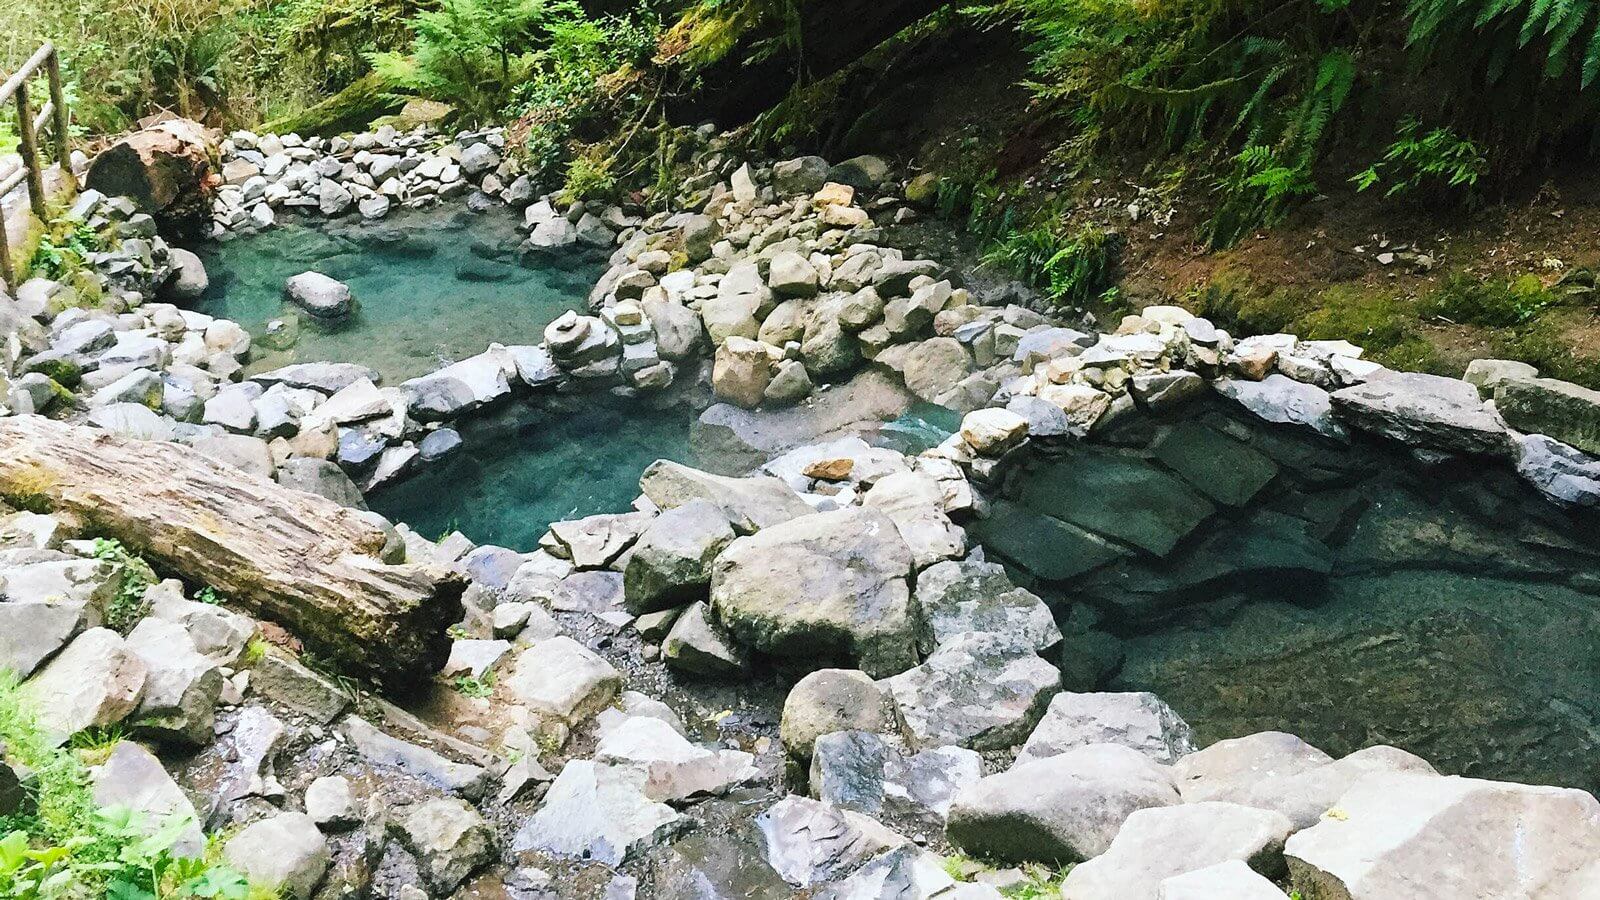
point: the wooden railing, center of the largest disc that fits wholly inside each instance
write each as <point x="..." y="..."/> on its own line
<point x="29" y="123"/>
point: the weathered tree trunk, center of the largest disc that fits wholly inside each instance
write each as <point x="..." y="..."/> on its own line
<point x="165" y="169"/>
<point x="301" y="560"/>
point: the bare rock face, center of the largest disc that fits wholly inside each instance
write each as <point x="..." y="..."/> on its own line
<point x="166" y="169"/>
<point x="1065" y="808"/>
<point x="1414" y="835"/>
<point x="831" y="585"/>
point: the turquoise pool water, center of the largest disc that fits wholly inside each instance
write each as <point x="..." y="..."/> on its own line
<point x="527" y="465"/>
<point x="431" y="287"/>
<point x="1261" y="578"/>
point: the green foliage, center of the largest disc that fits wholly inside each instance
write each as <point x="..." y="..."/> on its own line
<point x="67" y="849"/>
<point x="1465" y="300"/>
<point x="63" y="251"/>
<point x="585" y="75"/>
<point x="1257" y="192"/>
<point x="208" y="594"/>
<point x="472" y="53"/>
<point x="476" y="688"/>
<point x="589" y="176"/>
<point x="1073" y="270"/>
<point x="1440" y="160"/>
<point x="133" y="575"/>
<point x="1556" y="38"/>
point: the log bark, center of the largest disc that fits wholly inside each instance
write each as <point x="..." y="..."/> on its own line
<point x="293" y="557"/>
<point x="165" y="169"/>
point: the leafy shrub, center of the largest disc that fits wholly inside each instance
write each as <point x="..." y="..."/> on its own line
<point x="1072" y="271"/>
<point x="68" y="848"/>
<point x="1440" y="159"/>
<point x="133" y="576"/>
<point x="1256" y="192"/>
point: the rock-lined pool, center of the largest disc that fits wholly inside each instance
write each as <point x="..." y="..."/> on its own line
<point x="431" y="287"/>
<point x="529" y="464"/>
<point x="1260" y="578"/>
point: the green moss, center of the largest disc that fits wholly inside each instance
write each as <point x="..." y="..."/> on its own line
<point x="1465" y="300"/>
<point x="351" y="109"/>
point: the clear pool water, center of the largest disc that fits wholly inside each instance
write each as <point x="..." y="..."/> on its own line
<point x="529" y="464"/>
<point x="1265" y="579"/>
<point x="431" y="287"/>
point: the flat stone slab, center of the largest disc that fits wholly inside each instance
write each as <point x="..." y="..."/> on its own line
<point x="1408" y="835"/>
<point x="1228" y="471"/>
<point x="1427" y="411"/>
<point x="1281" y="399"/>
<point x="1564" y="411"/>
<point x="1047" y="547"/>
<point x="1118" y="497"/>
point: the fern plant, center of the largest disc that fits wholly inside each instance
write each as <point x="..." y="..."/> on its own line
<point x="1440" y="158"/>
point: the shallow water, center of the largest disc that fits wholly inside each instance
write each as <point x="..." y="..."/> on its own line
<point x="431" y="287"/>
<point x="1350" y="595"/>
<point x="529" y="464"/>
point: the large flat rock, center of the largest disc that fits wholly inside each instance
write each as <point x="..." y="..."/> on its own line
<point x="1427" y="411"/>
<point x="1119" y="497"/>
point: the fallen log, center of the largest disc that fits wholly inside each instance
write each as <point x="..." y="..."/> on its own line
<point x="292" y="557"/>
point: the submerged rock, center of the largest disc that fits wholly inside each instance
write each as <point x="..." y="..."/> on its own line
<point x="319" y="295"/>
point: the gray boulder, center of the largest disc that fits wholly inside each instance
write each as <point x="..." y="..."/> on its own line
<point x="561" y="678"/>
<point x="1427" y="411"/>
<point x="956" y="597"/>
<point x="286" y="852"/>
<point x="447" y="837"/>
<point x="750" y="504"/>
<point x="830" y="700"/>
<point x="31" y="631"/>
<point x="803" y="175"/>
<point x="864" y="173"/>
<point x="1233" y="879"/>
<point x="829" y="585"/>
<point x="380" y="749"/>
<point x="1414" y="835"/>
<point x="321" y="477"/>
<point x="674" y="768"/>
<point x="697" y="647"/>
<point x="331" y="803"/>
<point x="1158" y="843"/>
<point x="1567" y="412"/>
<point x="181" y="685"/>
<point x="1281" y="399"/>
<point x="1139" y="720"/>
<point x="1229" y="770"/>
<point x="1305" y="795"/>
<point x="1063" y="809"/>
<point x="1564" y="474"/>
<point x="132" y="778"/>
<point x="97" y="680"/>
<point x="980" y="691"/>
<point x="860" y="771"/>
<point x="319" y="295"/>
<point x="600" y="813"/>
<point x="810" y="843"/>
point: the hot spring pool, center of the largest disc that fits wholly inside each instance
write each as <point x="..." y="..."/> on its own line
<point x="1263" y="578"/>
<point x="431" y="286"/>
